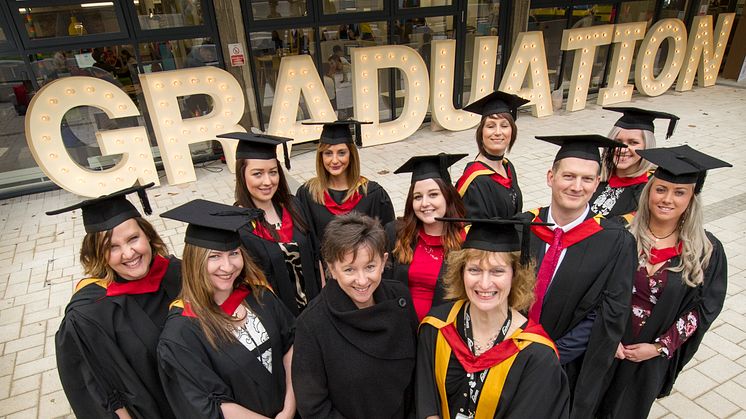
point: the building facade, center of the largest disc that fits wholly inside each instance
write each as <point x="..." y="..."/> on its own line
<point x="118" y="40"/>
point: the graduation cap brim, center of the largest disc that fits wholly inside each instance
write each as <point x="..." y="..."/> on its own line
<point x="682" y="164"/>
<point x="498" y="234"/>
<point x="338" y="132"/>
<point x="259" y="146"/>
<point x="213" y="225"/>
<point x="430" y="167"/>
<point x="495" y="103"/>
<point x="637" y="118"/>
<point x="580" y="146"/>
<point x="108" y="211"/>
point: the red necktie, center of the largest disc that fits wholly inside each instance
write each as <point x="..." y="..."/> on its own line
<point x="546" y="271"/>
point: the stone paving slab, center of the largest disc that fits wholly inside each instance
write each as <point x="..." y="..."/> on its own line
<point x="38" y="254"/>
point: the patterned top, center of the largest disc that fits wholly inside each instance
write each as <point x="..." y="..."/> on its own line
<point x="606" y="201"/>
<point x="254" y="337"/>
<point x="646" y="292"/>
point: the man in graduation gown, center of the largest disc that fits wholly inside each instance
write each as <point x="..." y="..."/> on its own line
<point x="585" y="269"/>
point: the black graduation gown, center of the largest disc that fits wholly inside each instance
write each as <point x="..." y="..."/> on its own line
<point x="198" y="378"/>
<point x="356" y="363"/>
<point x="376" y="203"/>
<point x="535" y="387"/>
<point x="485" y="198"/>
<point x="267" y="254"/>
<point x="595" y="276"/>
<point x="106" y="349"/>
<point x="626" y="203"/>
<point x="636" y="384"/>
<point x="400" y="271"/>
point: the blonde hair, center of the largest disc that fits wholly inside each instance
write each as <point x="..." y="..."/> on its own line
<point x="643" y="165"/>
<point x="318" y="185"/>
<point x="197" y="290"/>
<point x="521" y="294"/>
<point x="96" y="247"/>
<point x="696" y="247"/>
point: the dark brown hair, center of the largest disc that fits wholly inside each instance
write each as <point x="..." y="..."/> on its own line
<point x="350" y="233"/>
<point x="504" y="115"/>
<point x="407" y="228"/>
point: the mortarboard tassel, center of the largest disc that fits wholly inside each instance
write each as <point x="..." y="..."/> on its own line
<point x="358" y="135"/>
<point x="144" y="200"/>
<point x="287" y="155"/>
<point x="443" y="167"/>
<point x="671" y="127"/>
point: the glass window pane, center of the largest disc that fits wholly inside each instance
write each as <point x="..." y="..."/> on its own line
<point x="482" y="19"/>
<point x="674" y="8"/>
<point x="168" y="13"/>
<point x="267" y="49"/>
<point x="551" y="21"/>
<point x="351" y="6"/>
<point x="637" y="11"/>
<point x="3" y="38"/>
<point x="336" y="70"/>
<point x="582" y="17"/>
<point x="407" y="4"/>
<point x="70" y="20"/>
<point x="277" y="9"/>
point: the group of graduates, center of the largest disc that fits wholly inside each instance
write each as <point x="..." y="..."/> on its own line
<point x="324" y="305"/>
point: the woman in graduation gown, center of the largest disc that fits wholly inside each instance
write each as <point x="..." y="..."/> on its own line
<point x="226" y="348"/>
<point x="106" y="343"/>
<point x="281" y="241"/>
<point x="489" y="185"/>
<point x="355" y="343"/>
<point x="627" y="173"/>
<point x="418" y="243"/>
<point x="679" y="286"/>
<point x="338" y="187"/>
<point x="478" y="356"/>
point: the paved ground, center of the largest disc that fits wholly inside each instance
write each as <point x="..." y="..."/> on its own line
<point x="38" y="254"/>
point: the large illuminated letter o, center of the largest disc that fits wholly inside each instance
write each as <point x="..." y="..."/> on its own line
<point x="44" y="137"/>
<point x="674" y="31"/>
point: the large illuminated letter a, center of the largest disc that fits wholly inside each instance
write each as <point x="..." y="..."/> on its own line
<point x="528" y="57"/>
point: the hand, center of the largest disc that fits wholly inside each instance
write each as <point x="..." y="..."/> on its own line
<point x="640" y="352"/>
<point x="619" y="352"/>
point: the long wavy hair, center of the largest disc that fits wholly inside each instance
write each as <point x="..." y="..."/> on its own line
<point x="96" y="247"/>
<point x="504" y="115"/>
<point x="608" y="159"/>
<point x="318" y="185"/>
<point x="198" y="291"/>
<point x="696" y="247"/>
<point x="282" y="197"/>
<point x="521" y="294"/>
<point x="409" y="225"/>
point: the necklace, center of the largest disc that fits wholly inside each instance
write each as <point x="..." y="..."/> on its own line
<point x="492" y="157"/>
<point x="661" y="238"/>
<point x="479" y="349"/>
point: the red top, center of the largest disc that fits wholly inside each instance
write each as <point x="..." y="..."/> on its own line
<point x="423" y="272"/>
<point x="621" y="182"/>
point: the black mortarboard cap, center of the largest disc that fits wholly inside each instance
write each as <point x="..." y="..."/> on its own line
<point x="338" y="132"/>
<point x="498" y="234"/>
<point x="682" y="164"/>
<point x="497" y="102"/>
<point x="429" y="167"/>
<point x="259" y="146"/>
<point x="581" y="146"/>
<point x="213" y="225"/>
<point x="636" y="118"/>
<point x="108" y="211"/>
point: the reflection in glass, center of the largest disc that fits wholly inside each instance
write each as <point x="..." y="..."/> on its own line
<point x="277" y="9"/>
<point x="168" y="13"/>
<point x="583" y="17"/>
<point x="551" y="21"/>
<point x="351" y="6"/>
<point x="70" y="20"/>
<point x="267" y="49"/>
<point x="406" y="4"/>
<point x="337" y="43"/>
<point x="2" y="35"/>
<point x="637" y="11"/>
<point x="674" y="9"/>
<point x="482" y="19"/>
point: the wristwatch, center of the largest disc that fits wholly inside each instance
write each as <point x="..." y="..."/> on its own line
<point x="659" y="348"/>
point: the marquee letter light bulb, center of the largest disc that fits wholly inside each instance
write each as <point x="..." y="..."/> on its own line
<point x="623" y="52"/>
<point x="443" y="57"/>
<point x="298" y="75"/>
<point x="584" y="42"/>
<point x="673" y="31"/>
<point x="161" y="91"/>
<point x="44" y="137"/>
<point x="366" y="97"/>
<point x="528" y="58"/>
<point x="703" y="56"/>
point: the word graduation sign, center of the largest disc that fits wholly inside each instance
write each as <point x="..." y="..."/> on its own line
<point x="698" y="55"/>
